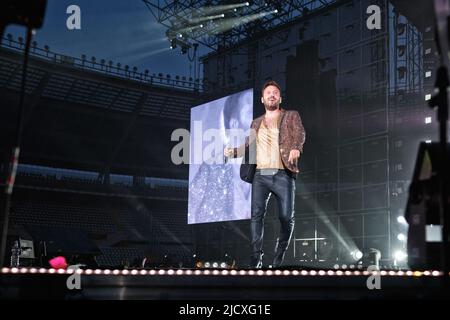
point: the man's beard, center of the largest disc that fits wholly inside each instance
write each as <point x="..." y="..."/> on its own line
<point x="272" y="107"/>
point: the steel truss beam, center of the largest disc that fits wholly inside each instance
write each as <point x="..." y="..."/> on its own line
<point x="176" y="15"/>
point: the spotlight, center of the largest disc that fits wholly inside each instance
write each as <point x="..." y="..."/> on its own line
<point x="199" y="265"/>
<point x="401" y="220"/>
<point x="371" y="257"/>
<point x="357" y="254"/>
<point x="401" y="50"/>
<point x="428" y="120"/>
<point x="275" y="4"/>
<point x="247" y="4"/>
<point x="173" y="44"/>
<point x="401" y="27"/>
<point x="401" y="72"/>
<point x="222" y="264"/>
<point x="400" y="255"/>
<point x="401" y="237"/>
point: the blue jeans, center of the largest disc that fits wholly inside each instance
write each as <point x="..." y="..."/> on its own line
<point x="282" y="186"/>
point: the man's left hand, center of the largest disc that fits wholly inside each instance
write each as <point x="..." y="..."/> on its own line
<point x="293" y="156"/>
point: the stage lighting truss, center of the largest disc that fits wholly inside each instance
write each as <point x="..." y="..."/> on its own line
<point x="175" y="42"/>
<point x="216" y="25"/>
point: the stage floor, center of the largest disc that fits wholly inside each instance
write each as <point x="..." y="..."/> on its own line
<point x="187" y="284"/>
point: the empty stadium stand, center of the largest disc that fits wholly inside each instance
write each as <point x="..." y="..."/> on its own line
<point x="96" y="154"/>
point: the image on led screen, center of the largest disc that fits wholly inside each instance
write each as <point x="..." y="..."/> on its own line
<point x="216" y="192"/>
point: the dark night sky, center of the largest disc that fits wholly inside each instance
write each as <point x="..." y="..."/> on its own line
<point x="123" y="31"/>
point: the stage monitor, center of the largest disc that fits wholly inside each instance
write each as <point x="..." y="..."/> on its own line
<point x="216" y="192"/>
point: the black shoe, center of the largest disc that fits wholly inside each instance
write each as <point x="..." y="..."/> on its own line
<point x="255" y="265"/>
<point x="256" y="261"/>
<point x="278" y="259"/>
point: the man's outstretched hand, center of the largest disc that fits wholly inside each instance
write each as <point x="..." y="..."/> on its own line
<point x="293" y="156"/>
<point x="228" y="152"/>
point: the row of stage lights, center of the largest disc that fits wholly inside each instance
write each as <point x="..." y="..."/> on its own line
<point x="227" y="262"/>
<point x="216" y="272"/>
<point x="212" y="265"/>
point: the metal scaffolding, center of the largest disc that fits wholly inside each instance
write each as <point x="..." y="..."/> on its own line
<point x="189" y="18"/>
<point x="407" y="41"/>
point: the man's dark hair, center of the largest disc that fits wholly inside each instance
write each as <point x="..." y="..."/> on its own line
<point x="270" y="83"/>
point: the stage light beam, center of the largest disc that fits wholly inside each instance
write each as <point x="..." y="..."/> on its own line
<point x="228" y="24"/>
<point x="220" y="8"/>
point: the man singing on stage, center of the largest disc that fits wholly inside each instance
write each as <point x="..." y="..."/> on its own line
<point x="279" y="136"/>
